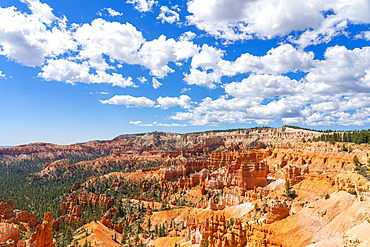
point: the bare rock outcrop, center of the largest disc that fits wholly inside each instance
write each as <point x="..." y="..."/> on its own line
<point x="217" y="232"/>
<point x="354" y="184"/>
<point x="43" y="236"/>
<point x="6" y="211"/>
<point x="277" y="211"/>
<point x="74" y="204"/>
<point x="118" y="227"/>
<point x="76" y="186"/>
<point x="9" y="235"/>
<point x="28" y="218"/>
<point x="293" y="174"/>
<point x="10" y="202"/>
<point x="8" y="215"/>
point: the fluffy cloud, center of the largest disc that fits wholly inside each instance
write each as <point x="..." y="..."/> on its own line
<point x="129" y="101"/>
<point x="156" y="54"/>
<point x="169" y="125"/>
<point x="42" y="39"/>
<point x="168" y="15"/>
<point x="202" y="78"/>
<point x="118" y="41"/>
<point x="208" y="67"/>
<point x="342" y="71"/>
<point x="166" y="102"/>
<point x="213" y="112"/>
<point x="143" y="5"/>
<point x="139" y="123"/>
<point x="187" y="36"/>
<point x="142" y="79"/>
<point x="242" y="110"/>
<point x="2" y="76"/>
<point x="184" y="90"/>
<point x="335" y="90"/>
<point x="267" y="86"/>
<point x="359" y="118"/>
<point x="363" y="35"/>
<point x="71" y="72"/>
<point x="30" y="38"/>
<point x="113" y="12"/>
<point x="41" y="11"/>
<point x="124" y="44"/>
<point x="240" y="20"/>
<point x="156" y="83"/>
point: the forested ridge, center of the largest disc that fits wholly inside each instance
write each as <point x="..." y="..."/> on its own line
<point x="358" y="137"/>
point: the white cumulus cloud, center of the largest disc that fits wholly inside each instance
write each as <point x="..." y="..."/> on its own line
<point x="208" y="66"/>
<point x="156" y="54"/>
<point x="334" y="90"/>
<point x="240" y="20"/>
<point x="265" y="85"/>
<point x="42" y="39"/>
<point x="30" y="38"/>
<point x="139" y="123"/>
<point x="156" y="83"/>
<point x="166" y="102"/>
<point x="129" y="101"/>
<point x="143" y="5"/>
<point x="142" y="79"/>
<point x="168" y="15"/>
<point x="113" y="12"/>
<point x="187" y="36"/>
<point x="363" y="35"/>
<point x="118" y="41"/>
<point x="72" y="72"/>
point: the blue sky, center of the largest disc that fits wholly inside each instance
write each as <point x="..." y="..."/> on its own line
<point x="73" y="71"/>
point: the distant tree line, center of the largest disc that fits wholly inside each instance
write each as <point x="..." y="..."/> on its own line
<point x="357" y="137"/>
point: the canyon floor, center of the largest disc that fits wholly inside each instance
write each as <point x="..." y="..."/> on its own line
<point x="246" y="187"/>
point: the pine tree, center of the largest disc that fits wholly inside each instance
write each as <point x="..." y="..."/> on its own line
<point x="288" y="192"/>
<point x="149" y="225"/>
<point x="205" y="243"/>
<point x="355" y="160"/>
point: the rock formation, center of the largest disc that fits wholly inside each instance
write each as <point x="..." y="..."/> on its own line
<point x="217" y="232"/>
<point x="293" y="175"/>
<point x="76" y="186"/>
<point x="118" y="227"/>
<point x="103" y="201"/>
<point x="72" y="208"/>
<point x="6" y="211"/>
<point x="9" y="235"/>
<point x="354" y="184"/>
<point x="107" y="218"/>
<point x="224" y="174"/>
<point x="28" y="218"/>
<point x="10" y="202"/>
<point x="277" y="211"/>
<point x="43" y="237"/>
<point x="248" y="171"/>
<point x="149" y="212"/>
<point x="9" y="215"/>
